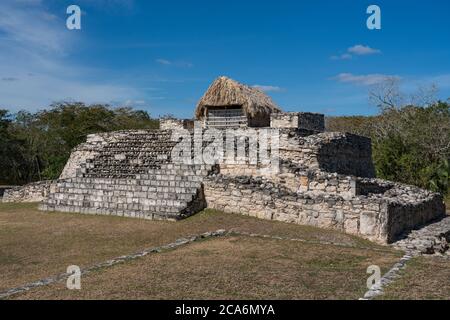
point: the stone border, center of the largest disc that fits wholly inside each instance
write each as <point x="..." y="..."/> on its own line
<point x="63" y="276"/>
<point x="429" y="241"/>
<point x="389" y="277"/>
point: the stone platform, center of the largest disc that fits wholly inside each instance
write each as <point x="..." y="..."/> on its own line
<point x="325" y="179"/>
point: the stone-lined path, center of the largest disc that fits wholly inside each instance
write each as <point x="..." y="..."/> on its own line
<point x="180" y="242"/>
<point x="432" y="239"/>
<point x="387" y="279"/>
<point x="64" y="276"/>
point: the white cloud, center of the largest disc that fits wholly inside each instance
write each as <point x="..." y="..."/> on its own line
<point x="164" y="62"/>
<point x="362" y="50"/>
<point x="39" y="91"/>
<point x="357" y="50"/>
<point x="266" y="88"/>
<point x="27" y="24"/>
<point x="365" y="80"/>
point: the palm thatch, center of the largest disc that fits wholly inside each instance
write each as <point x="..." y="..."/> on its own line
<point x="225" y="92"/>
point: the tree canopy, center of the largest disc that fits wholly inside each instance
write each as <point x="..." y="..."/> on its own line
<point x="36" y="146"/>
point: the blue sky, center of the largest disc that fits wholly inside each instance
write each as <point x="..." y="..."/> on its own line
<point x="162" y="55"/>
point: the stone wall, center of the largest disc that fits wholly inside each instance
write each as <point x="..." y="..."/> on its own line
<point x="92" y="147"/>
<point x="174" y="124"/>
<point x="342" y="153"/>
<point x="32" y="192"/>
<point x="121" y="151"/>
<point x="302" y="120"/>
<point x="379" y="219"/>
<point x="3" y="189"/>
<point x="366" y="186"/>
<point x="299" y="181"/>
<point x="332" y="152"/>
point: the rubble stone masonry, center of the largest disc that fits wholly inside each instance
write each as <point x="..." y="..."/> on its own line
<point x="32" y="192"/>
<point x="377" y="217"/>
<point x="323" y="179"/>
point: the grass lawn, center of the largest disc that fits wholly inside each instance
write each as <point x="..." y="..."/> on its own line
<point x="232" y="268"/>
<point x="424" y="278"/>
<point x="35" y="245"/>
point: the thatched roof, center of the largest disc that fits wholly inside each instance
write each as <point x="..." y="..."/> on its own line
<point x="226" y="92"/>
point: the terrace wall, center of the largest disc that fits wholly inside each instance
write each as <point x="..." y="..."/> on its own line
<point x="32" y="192"/>
<point x="377" y="218"/>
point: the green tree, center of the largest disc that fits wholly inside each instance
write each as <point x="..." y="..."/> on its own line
<point x="43" y="141"/>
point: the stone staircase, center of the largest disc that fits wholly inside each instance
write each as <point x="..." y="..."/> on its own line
<point x="131" y="155"/>
<point x="132" y="176"/>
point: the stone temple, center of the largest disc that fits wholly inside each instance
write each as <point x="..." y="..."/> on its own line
<point x="317" y="178"/>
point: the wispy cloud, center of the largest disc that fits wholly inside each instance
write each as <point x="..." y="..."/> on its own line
<point x="109" y="4"/>
<point x="344" y="56"/>
<point x="10" y="79"/>
<point x="181" y="64"/>
<point x="267" y="88"/>
<point x="362" y="50"/>
<point x="356" y="50"/>
<point x="441" y="81"/>
<point x="35" y="62"/>
<point x="164" y="61"/>
<point x="364" y="80"/>
<point x="27" y="24"/>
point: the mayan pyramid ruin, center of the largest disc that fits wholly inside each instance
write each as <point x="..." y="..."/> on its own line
<point x="318" y="178"/>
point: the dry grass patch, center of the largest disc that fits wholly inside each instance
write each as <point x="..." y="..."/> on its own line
<point x="35" y="244"/>
<point x="424" y="278"/>
<point x="232" y="268"/>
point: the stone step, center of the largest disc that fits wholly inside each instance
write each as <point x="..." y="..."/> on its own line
<point x="157" y="214"/>
<point x="173" y="166"/>
<point x="161" y="174"/>
<point x="121" y="189"/>
<point x="124" y="204"/>
<point x="78" y="194"/>
<point x="133" y="185"/>
<point x="102" y="195"/>
<point x="133" y="175"/>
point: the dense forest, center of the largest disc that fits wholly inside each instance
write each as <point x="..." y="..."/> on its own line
<point x="411" y="142"/>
